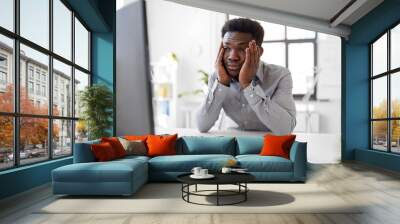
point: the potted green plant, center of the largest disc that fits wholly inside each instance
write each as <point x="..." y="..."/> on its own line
<point x="204" y="79"/>
<point x="96" y="102"/>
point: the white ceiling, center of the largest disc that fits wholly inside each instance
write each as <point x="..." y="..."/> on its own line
<point x="307" y="14"/>
<point x="320" y="9"/>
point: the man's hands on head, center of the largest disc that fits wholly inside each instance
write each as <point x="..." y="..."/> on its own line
<point x="223" y="76"/>
<point x="250" y="66"/>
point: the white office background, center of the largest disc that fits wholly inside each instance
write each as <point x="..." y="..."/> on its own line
<point x="184" y="40"/>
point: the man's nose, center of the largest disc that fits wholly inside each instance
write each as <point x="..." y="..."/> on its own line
<point x="233" y="55"/>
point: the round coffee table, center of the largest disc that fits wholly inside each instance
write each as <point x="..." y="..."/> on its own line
<point x="238" y="179"/>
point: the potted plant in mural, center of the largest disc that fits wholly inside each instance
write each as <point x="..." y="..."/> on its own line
<point x="96" y="102"/>
<point x="204" y="79"/>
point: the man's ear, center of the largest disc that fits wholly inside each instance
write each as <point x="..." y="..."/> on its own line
<point x="262" y="50"/>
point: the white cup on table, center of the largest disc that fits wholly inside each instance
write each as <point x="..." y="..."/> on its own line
<point x="203" y="172"/>
<point x="196" y="171"/>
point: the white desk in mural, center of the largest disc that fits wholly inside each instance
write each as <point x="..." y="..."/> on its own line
<point x="321" y="148"/>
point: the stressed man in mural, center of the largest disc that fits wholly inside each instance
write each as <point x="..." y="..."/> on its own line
<point x="254" y="94"/>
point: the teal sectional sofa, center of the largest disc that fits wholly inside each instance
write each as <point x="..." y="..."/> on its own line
<point x="125" y="176"/>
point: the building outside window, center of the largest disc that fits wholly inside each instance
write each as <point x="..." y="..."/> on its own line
<point x="43" y="90"/>
<point x="30" y="87"/>
<point x="3" y="81"/>
<point x="30" y="72"/>
<point x="38" y="89"/>
<point x="3" y="72"/>
<point x="3" y="61"/>
<point x="37" y="74"/>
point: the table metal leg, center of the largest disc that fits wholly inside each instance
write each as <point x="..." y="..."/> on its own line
<point x="245" y="193"/>
<point x="217" y="194"/>
<point x="182" y="189"/>
<point x="188" y="190"/>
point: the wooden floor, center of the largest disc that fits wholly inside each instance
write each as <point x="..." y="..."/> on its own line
<point x="377" y="188"/>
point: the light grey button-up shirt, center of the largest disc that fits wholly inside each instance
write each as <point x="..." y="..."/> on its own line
<point x="267" y="104"/>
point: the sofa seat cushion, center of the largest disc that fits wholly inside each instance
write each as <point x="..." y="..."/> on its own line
<point x="257" y="163"/>
<point x="185" y="163"/>
<point x="112" y="171"/>
<point x="133" y="158"/>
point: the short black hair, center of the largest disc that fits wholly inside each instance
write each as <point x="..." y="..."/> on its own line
<point x="244" y="25"/>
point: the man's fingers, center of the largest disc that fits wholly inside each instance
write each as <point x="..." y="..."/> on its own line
<point x="220" y="54"/>
<point x="253" y="52"/>
<point x="258" y="54"/>
<point x="248" y="56"/>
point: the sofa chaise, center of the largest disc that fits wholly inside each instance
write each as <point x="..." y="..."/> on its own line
<point x="125" y="176"/>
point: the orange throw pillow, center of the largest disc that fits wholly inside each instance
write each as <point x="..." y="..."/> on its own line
<point x="275" y="145"/>
<point x="116" y="145"/>
<point x="136" y="137"/>
<point x="103" y="152"/>
<point x="161" y="145"/>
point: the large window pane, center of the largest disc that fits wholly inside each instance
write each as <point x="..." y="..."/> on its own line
<point x="273" y="31"/>
<point x="301" y="65"/>
<point x="62" y="29"/>
<point x="34" y="96"/>
<point x="81" y="81"/>
<point x="395" y="47"/>
<point x="81" y="45"/>
<point x="379" y="56"/>
<point x="395" y="136"/>
<point x="62" y="89"/>
<point x="274" y="53"/>
<point x="6" y="74"/>
<point x="379" y="98"/>
<point x="6" y="142"/>
<point x="81" y="131"/>
<point x="62" y="138"/>
<point x="33" y="139"/>
<point x="379" y="135"/>
<point x="297" y="33"/>
<point x="395" y="94"/>
<point x="35" y="21"/>
<point x="7" y="14"/>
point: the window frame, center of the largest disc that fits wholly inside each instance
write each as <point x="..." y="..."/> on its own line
<point x="388" y="74"/>
<point x="287" y="42"/>
<point x="16" y="115"/>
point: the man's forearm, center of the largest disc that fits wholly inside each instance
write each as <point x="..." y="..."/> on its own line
<point x="278" y="119"/>
<point x="211" y="107"/>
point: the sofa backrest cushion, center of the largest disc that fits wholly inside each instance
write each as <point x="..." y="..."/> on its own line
<point x="192" y="145"/>
<point x="104" y="152"/>
<point x="116" y="145"/>
<point x="161" y="145"/>
<point x="277" y="145"/>
<point x="83" y="152"/>
<point x="249" y="144"/>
